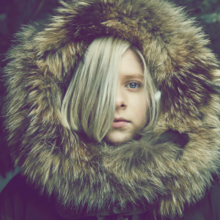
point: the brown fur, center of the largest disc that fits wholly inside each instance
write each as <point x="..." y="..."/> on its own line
<point x="182" y="67"/>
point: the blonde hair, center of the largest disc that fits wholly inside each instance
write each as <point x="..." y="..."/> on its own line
<point x="89" y="103"/>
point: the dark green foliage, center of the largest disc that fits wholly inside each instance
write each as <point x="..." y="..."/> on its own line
<point x="207" y="15"/>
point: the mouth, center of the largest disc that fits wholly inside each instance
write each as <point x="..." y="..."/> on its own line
<point x="119" y="123"/>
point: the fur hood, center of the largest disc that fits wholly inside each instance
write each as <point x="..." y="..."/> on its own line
<point x="163" y="172"/>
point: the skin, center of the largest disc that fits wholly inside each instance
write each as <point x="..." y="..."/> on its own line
<point x="130" y="99"/>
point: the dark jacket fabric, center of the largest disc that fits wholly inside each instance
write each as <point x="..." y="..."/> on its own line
<point x="20" y="201"/>
<point x="167" y="173"/>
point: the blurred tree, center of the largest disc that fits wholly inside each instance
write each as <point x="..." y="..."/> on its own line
<point x="207" y="14"/>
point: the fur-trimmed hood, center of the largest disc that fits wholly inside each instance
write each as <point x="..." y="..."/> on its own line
<point x="166" y="173"/>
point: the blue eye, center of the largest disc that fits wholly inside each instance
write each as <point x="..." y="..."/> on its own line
<point x="133" y="85"/>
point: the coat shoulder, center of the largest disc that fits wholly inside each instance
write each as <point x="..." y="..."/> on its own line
<point x="19" y="200"/>
<point x="206" y="209"/>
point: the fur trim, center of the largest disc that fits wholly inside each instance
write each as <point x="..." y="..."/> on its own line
<point x="184" y="70"/>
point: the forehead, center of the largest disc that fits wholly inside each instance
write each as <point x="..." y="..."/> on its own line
<point x="131" y="65"/>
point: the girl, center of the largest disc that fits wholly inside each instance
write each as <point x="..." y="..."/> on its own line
<point x="85" y="124"/>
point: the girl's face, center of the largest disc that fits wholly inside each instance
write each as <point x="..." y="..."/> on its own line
<point x="131" y="104"/>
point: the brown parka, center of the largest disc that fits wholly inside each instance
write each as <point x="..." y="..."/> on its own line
<point x="166" y="174"/>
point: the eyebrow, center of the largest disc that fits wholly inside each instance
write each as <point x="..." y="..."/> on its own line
<point x="127" y="77"/>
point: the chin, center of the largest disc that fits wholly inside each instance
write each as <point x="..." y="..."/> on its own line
<point x="118" y="139"/>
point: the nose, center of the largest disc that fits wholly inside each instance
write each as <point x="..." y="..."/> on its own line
<point x="121" y="102"/>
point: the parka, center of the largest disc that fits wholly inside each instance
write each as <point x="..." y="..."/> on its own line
<point x="170" y="173"/>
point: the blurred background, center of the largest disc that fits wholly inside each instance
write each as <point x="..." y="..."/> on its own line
<point x="15" y="13"/>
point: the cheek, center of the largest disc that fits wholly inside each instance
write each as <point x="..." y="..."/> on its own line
<point x="140" y="111"/>
<point x="143" y="117"/>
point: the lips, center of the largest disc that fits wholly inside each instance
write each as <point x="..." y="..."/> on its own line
<point x="120" y="122"/>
